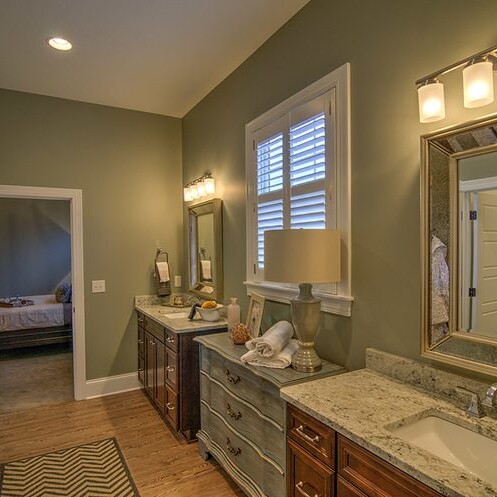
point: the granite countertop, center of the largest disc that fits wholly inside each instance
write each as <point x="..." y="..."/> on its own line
<point x="363" y="404"/>
<point x="165" y="316"/>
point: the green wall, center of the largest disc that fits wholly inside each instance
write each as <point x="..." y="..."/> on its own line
<point x="35" y="246"/>
<point x="128" y="165"/>
<point x="390" y="44"/>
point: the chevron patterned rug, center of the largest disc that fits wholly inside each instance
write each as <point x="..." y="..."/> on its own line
<point x="96" y="469"/>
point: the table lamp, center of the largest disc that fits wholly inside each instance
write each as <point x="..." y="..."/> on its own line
<point x="303" y="256"/>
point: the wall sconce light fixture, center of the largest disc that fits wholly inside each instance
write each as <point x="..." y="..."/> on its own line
<point x="478" y="85"/>
<point x="199" y="188"/>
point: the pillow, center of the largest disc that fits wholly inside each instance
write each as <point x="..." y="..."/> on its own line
<point x="63" y="293"/>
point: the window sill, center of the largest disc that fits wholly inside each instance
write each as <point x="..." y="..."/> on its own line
<point x="330" y="303"/>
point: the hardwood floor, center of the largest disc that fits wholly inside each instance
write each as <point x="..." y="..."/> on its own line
<point x="35" y="376"/>
<point x="161" y="465"/>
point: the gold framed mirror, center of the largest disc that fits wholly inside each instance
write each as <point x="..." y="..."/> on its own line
<point x="459" y="246"/>
<point x="205" y="249"/>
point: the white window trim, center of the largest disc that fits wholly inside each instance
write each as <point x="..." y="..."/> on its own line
<point x="341" y="301"/>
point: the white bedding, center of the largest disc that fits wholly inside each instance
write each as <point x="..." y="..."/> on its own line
<point x="45" y="313"/>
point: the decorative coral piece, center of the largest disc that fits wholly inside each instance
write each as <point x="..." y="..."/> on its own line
<point x="240" y="334"/>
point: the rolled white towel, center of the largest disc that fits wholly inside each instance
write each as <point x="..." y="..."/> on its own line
<point x="273" y="341"/>
<point x="279" y="361"/>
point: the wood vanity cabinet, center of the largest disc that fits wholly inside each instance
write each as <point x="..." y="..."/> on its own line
<point x="168" y="369"/>
<point x="323" y="463"/>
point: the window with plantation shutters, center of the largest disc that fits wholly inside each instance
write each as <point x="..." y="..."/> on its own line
<point x="297" y="172"/>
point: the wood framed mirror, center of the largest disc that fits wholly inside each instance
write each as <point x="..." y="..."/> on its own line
<point x="205" y="249"/>
<point x="459" y="246"/>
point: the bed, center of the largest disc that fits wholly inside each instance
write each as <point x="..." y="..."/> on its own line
<point x="45" y="322"/>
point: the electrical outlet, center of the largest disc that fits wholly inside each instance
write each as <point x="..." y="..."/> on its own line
<point x="177" y="281"/>
<point x="98" y="286"/>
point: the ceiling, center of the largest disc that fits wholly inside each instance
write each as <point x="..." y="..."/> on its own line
<point x="160" y="56"/>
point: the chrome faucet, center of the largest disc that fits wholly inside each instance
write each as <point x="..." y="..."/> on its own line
<point x="474" y="406"/>
<point x="491" y="396"/>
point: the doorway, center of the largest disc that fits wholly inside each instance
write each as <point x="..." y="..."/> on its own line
<point x="74" y="198"/>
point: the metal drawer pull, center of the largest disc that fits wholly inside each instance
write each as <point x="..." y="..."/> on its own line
<point x="231" y="378"/>
<point x="300" y="488"/>
<point x="170" y="369"/>
<point x="140" y="342"/>
<point x="312" y="440"/>
<point x="169" y="340"/>
<point x="141" y="320"/>
<point x="170" y="406"/>
<point x="235" y="415"/>
<point x="234" y="450"/>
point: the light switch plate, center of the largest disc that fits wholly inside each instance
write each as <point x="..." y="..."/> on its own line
<point x="177" y="281"/>
<point x="98" y="286"/>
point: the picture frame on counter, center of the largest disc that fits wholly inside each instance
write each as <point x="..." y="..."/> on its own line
<point x="255" y="313"/>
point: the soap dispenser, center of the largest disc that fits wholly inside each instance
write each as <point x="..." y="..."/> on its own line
<point x="233" y="313"/>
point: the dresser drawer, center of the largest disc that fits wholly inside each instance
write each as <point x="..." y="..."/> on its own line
<point x="308" y="476"/>
<point x="141" y="341"/>
<point x="171" y="371"/>
<point x="346" y="489"/>
<point x="237" y="451"/>
<point x="155" y="329"/>
<point x="244" y="384"/>
<point x="172" y="341"/>
<point x="376" y="477"/>
<point x="246" y="418"/>
<point x="312" y="435"/>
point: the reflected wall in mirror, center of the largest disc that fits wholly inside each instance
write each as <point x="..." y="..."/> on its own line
<point x="205" y="249"/>
<point x="459" y="237"/>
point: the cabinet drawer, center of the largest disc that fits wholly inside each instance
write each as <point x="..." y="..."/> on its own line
<point x="171" y="407"/>
<point x="246" y="419"/>
<point x="308" y="477"/>
<point x="155" y="329"/>
<point x="141" y="319"/>
<point x="376" y="477"/>
<point x="172" y="341"/>
<point x="243" y="383"/>
<point x="346" y="489"/>
<point x="171" y="371"/>
<point x="141" y="341"/>
<point x="312" y="435"/>
<point x="141" y="370"/>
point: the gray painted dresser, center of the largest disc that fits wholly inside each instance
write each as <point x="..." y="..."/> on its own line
<point x="243" y="416"/>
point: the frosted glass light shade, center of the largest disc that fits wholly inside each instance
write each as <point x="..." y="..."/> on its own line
<point x="302" y="256"/>
<point x="201" y="189"/>
<point x="186" y="194"/>
<point x="193" y="192"/>
<point x="210" y="186"/>
<point x="431" y="102"/>
<point x="478" y="82"/>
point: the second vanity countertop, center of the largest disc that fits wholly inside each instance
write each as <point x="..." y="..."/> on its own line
<point x="165" y="316"/>
<point x="361" y="405"/>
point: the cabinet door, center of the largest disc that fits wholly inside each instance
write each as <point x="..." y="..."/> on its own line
<point x="150" y="364"/>
<point x="307" y="476"/>
<point x="160" y="363"/>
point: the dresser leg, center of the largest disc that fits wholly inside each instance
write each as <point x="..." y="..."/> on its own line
<point x="202" y="449"/>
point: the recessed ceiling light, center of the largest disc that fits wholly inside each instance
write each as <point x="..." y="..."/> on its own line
<point x="60" y="44"/>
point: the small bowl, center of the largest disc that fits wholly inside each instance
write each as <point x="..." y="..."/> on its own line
<point x="210" y="314"/>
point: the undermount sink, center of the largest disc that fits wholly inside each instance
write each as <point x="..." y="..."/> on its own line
<point x="173" y="314"/>
<point x="455" y="444"/>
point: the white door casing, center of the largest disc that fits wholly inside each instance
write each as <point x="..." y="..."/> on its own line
<point x="75" y="197"/>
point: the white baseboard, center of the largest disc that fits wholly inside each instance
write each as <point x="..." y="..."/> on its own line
<point x="111" y="385"/>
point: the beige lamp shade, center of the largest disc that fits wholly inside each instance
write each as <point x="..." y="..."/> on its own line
<point x="302" y="256"/>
